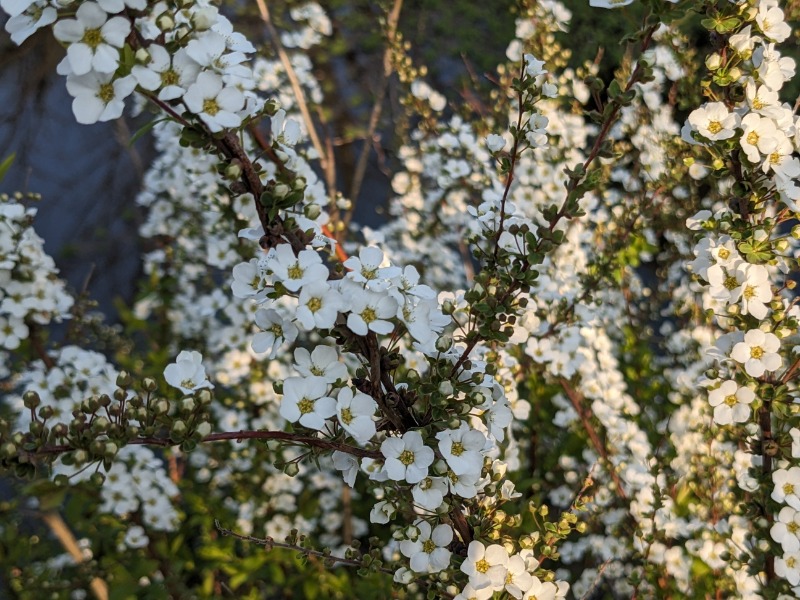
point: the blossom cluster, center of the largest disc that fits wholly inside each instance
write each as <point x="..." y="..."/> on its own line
<point x="30" y="290"/>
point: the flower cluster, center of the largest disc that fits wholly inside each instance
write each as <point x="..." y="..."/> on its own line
<point x="30" y="291"/>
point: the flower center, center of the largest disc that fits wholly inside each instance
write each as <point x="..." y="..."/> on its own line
<point x="793" y="527"/>
<point x="730" y="400"/>
<point x="775" y="158"/>
<point x="295" y="271"/>
<point x="428" y="546"/>
<point x="406" y="457"/>
<point x="169" y="77"/>
<point x="756" y="352"/>
<point x="368" y="273"/>
<point x="305" y="406"/>
<point x="276" y="330"/>
<point x="187" y="383"/>
<point x="347" y="416"/>
<point x="731" y="282"/>
<point x="314" y="304"/>
<point x="210" y="106"/>
<point x="457" y="449"/>
<point x="92" y="38"/>
<point x="788" y="488"/>
<point x="482" y="566"/>
<point x="715" y="126"/>
<point x="757" y="103"/>
<point x="724" y="253"/>
<point x="749" y="291"/>
<point x="106" y="92"/>
<point x="752" y="138"/>
<point x="368" y="315"/>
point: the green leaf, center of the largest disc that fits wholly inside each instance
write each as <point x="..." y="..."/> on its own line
<point x="6" y="164"/>
<point x="144" y="129"/>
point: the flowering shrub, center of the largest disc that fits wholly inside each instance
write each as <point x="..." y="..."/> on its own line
<point x="565" y="366"/>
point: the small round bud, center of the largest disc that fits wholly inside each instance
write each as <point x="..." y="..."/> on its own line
<point x="31" y="399"/>
<point x="149" y="384"/>
<point x="124" y="379"/>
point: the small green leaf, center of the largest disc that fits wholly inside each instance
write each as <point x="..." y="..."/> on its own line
<point x="6" y="164"/>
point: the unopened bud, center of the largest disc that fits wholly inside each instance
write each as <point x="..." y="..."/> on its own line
<point x="165" y="23"/>
<point x="713" y="62"/>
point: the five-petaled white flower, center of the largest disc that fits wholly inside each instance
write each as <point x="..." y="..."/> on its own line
<point x="215" y="103"/>
<point x="407" y="458"/>
<point x="94" y="39"/>
<point x="758" y="352"/>
<point x="355" y="412"/>
<point x="187" y="373"/>
<point x="305" y="400"/>
<point x="714" y="121"/>
<point x="731" y="403"/>
<point x="485" y="567"/>
<point x="428" y="550"/>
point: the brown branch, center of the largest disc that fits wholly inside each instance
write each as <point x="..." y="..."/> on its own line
<point x="377" y="108"/>
<point x="292" y="438"/>
<point x="59" y="528"/>
<point x="270" y="543"/>
<point x="296" y="89"/>
<point x="577" y="402"/>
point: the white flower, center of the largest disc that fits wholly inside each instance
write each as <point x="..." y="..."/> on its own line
<point x="355" y="412"/>
<point x="771" y="22"/>
<point x="382" y="512"/>
<point x="518" y="580"/>
<point x="429" y="493"/>
<point x="187" y="373"/>
<point x="347" y="464"/>
<point x="21" y="27"/>
<point x="369" y="311"/>
<point x="428" y="551"/>
<point x="94" y="40"/>
<point x="731" y="403"/>
<point x="714" y="121"/>
<point x="12" y="331"/>
<point x="786" y="529"/>
<point x="318" y="306"/>
<point x="304" y="400"/>
<point x="407" y="458"/>
<point x="98" y="96"/>
<point x="788" y="567"/>
<point x="533" y="66"/>
<point x="248" y="280"/>
<point x="285" y="131"/>
<point x="296" y="271"/>
<point x="495" y="142"/>
<point x="277" y="330"/>
<point x="322" y="362"/>
<point x="542" y="590"/>
<point x="486" y="567"/>
<point x="758" y="352"/>
<point x="213" y="102"/>
<point x="759" y="136"/>
<point x="461" y="448"/>
<point x="172" y="75"/>
<point x="366" y="268"/>
<point x="787" y="486"/>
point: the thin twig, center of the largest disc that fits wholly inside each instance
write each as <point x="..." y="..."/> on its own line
<point x="377" y="108"/>
<point x="297" y="90"/>
<point x="59" y="528"/>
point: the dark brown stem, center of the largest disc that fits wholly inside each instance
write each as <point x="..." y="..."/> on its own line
<point x="292" y="438"/>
